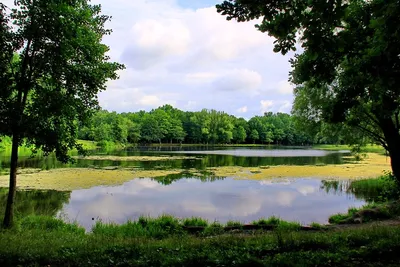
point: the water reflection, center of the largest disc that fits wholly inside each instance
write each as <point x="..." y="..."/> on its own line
<point x="246" y="157"/>
<point x="300" y="200"/>
<point x="38" y="202"/>
<point x="213" y="198"/>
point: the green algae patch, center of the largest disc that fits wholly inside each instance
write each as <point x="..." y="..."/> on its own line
<point x="81" y="178"/>
<point x="135" y="158"/>
<point x="372" y="166"/>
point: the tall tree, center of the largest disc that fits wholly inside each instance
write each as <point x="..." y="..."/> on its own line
<point x="350" y="64"/>
<point x="53" y="84"/>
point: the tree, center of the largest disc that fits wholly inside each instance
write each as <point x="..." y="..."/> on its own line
<point x="254" y="135"/>
<point x="239" y="134"/>
<point x="349" y="70"/>
<point x="56" y="65"/>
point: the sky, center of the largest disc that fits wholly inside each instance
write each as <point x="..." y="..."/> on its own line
<point x="183" y="53"/>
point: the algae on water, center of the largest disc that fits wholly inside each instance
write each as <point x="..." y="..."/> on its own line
<point x="78" y="178"/>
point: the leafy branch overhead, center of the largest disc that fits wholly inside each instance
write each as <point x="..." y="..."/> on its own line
<point x="55" y="65"/>
<point x="349" y="68"/>
<point x="52" y="66"/>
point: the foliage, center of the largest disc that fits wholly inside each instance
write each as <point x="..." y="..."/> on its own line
<point x="279" y="223"/>
<point x="194" y="221"/>
<point x="46" y="223"/>
<point x="52" y="65"/>
<point x="348" y="71"/>
<point x="377" y="190"/>
<point x="368" y="213"/>
<point x="170" y="125"/>
<point x="161" y="227"/>
<point x="35" y="202"/>
<point x="382" y="189"/>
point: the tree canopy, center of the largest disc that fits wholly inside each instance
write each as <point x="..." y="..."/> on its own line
<point x="348" y="70"/>
<point x="52" y="65"/>
<point x="167" y="124"/>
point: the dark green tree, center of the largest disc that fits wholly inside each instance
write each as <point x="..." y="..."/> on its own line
<point x="52" y="86"/>
<point x="350" y="64"/>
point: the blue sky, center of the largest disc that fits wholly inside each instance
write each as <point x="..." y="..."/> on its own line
<point x="195" y="4"/>
<point x="183" y="53"/>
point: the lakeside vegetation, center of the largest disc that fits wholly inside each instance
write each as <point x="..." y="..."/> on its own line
<point x="44" y="241"/>
<point x="169" y="241"/>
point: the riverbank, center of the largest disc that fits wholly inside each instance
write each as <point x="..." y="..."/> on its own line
<point x="55" y="243"/>
<point x="364" y="149"/>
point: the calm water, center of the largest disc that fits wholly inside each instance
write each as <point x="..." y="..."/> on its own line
<point x="212" y="198"/>
<point x="207" y="157"/>
<point x="302" y="200"/>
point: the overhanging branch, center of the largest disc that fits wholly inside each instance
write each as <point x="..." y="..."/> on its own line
<point x="376" y="136"/>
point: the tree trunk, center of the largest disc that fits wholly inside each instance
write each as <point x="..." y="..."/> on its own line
<point x="392" y="138"/>
<point x="395" y="161"/>
<point x="9" y="214"/>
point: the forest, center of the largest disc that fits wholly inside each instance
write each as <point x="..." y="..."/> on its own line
<point x="167" y="124"/>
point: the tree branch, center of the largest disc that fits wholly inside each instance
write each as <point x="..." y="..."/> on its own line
<point x="376" y="136"/>
<point x="371" y="117"/>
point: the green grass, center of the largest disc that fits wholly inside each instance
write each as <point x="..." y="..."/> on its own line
<point x="160" y="227"/>
<point x="318" y="226"/>
<point x="277" y="222"/>
<point x="368" y="213"/>
<point x="364" y="149"/>
<point x="365" y="246"/>
<point x="195" y="222"/>
<point x="88" y="145"/>
<point x="380" y="189"/>
<point x="234" y="224"/>
<point x="45" y="223"/>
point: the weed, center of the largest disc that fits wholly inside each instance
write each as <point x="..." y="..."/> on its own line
<point x="195" y="221"/>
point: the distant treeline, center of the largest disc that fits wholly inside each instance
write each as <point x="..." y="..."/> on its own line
<point x="167" y="124"/>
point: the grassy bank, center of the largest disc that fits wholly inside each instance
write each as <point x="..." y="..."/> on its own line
<point x="41" y="242"/>
<point x="364" y="149"/>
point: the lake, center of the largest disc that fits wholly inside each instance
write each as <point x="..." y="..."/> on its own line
<point x="215" y="198"/>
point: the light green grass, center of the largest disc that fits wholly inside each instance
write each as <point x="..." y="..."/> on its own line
<point x="364" y="149"/>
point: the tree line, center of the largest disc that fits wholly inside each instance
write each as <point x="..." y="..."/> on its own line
<point x="167" y="124"/>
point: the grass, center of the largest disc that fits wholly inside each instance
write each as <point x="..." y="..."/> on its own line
<point x="56" y="245"/>
<point x="234" y="224"/>
<point x="318" y="226"/>
<point x="368" y="213"/>
<point x="364" y="149"/>
<point x="158" y="228"/>
<point x="381" y="189"/>
<point x="277" y="222"/>
<point x="195" y="222"/>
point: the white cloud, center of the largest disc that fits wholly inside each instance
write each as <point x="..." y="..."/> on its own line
<point x="149" y="100"/>
<point x="307" y="190"/>
<point x="192" y="58"/>
<point x="285" y="88"/>
<point x="242" y="109"/>
<point x="239" y="80"/>
<point x="153" y="41"/>
<point x="285" y="107"/>
<point x="266" y="105"/>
